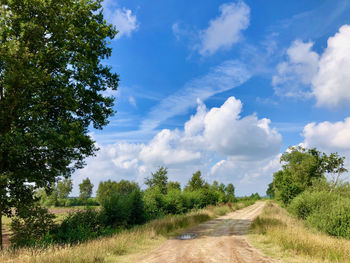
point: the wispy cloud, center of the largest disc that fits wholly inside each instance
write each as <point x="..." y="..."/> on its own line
<point x="225" y="30"/>
<point x="123" y="18"/>
<point x="224" y="77"/>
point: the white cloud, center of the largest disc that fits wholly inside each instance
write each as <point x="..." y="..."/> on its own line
<point x="325" y="77"/>
<point x="247" y="176"/>
<point x="225" y="30"/>
<point x="166" y="149"/>
<point x="331" y="85"/>
<point x="123" y="19"/>
<point x="246" y="137"/>
<point x="295" y="75"/>
<point x="208" y="135"/>
<point x="224" y="77"/>
<point x="328" y="136"/>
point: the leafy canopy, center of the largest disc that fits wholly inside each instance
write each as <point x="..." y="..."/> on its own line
<point x="51" y="91"/>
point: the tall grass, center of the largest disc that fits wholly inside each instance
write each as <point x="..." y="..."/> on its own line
<point x="128" y="241"/>
<point x="288" y="234"/>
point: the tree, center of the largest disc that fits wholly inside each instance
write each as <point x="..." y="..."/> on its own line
<point x="85" y="189"/>
<point x="303" y="167"/>
<point x="173" y="185"/>
<point x="108" y="188"/>
<point x="270" y="192"/>
<point x="158" y="179"/>
<point x="196" y="182"/>
<point x="51" y="91"/>
<point x="64" y="188"/>
<point x="334" y="165"/>
<point x="230" y="192"/>
<point x="105" y="190"/>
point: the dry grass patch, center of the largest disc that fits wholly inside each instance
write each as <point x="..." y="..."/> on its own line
<point x="282" y="236"/>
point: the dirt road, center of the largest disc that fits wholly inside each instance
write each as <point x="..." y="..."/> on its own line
<point x="220" y="240"/>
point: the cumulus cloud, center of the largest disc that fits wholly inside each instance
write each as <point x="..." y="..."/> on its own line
<point x="328" y="136"/>
<point x="123" y="18"/>
<point x="331" y="85"/>
<point x="296" y="74"/>
<point x="246" y="137"/>
<point x="225" y="30"/>
<point x="208" y="135"/>
<point x="325" y="77"/>
<point x="247" y="176"/>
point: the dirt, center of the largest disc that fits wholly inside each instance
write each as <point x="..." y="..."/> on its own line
<point x="220" y="240"/>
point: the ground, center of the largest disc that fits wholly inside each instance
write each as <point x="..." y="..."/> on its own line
<point x="219" y="240"/>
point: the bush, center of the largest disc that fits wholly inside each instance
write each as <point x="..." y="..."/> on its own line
<point x="333" y="219"/>
<point x="137" y="208"/>
<point x="154" y="203"/>
<point x="174" y="202"/>
<point x="31" y="226"/>
<point x="80" y="226"/>
<point x="309" y="202"/>
<point x="116" y="210"/>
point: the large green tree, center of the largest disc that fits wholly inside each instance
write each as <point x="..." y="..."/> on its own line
<point x="51" y="91"/>
<point x="301" y="167"/>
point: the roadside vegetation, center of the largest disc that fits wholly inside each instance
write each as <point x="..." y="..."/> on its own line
<point x="124" y="243"/>
<point x="122" y="206"/>
<point x="315" y="218"/>
<point x="283" y="236"/>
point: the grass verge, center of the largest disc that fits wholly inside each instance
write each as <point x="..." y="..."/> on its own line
<point x="282" y="236"/>
<point x="111" y="249"/>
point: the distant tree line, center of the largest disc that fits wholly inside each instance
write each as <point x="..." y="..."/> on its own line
<point x="122" y="205"/>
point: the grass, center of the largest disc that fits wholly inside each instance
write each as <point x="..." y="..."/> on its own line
<point x="282" y="236"/>
<point x="121" y="247"/>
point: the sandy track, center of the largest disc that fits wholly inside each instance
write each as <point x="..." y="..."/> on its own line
<point x="219" y="240"/>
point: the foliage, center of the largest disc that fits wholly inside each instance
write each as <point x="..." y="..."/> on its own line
<point x="85" y="189"/>
<point x="196" y="182"/>
<point x="289" y="237"/>
<point x="333" y="219"/>
<point x="51" y="83"/>
<point x="327" y="211"/>
<point x="107" y="188"/>
<point x="116" y="210"/>
<point x="79" y="226"/>
<point x="158" y="179"/>
<point x="30" y="226"/>
<point x="270" y="192"/>
<point x="230" y="193"/>
<point x="300" y="167"/>
<point x="173" y="185"/>
<point x="64" y="188"/>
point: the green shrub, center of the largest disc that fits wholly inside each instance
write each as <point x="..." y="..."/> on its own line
<point x="333" y="219"/>
<point x="154" y="203"/>
<point x="173" y="202"/>
<point x="137" y="214"/>
<point x="31" y="226"/>
<point x="309" y="202"/>
<point x="116" y="210"/>
<point x="80" y="226"/>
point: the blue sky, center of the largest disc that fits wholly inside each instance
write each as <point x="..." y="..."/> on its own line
<point x="223" y="87"/>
